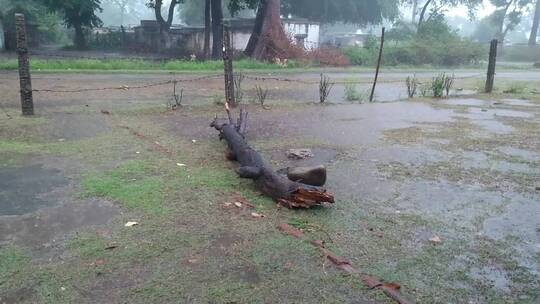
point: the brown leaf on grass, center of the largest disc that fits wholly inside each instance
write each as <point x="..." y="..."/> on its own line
<point x="394" y="286"/>
<point x="290" y="230"/>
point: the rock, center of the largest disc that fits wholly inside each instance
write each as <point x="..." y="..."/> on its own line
<point x="300" y="153"/>
<point x="315" y="176"/>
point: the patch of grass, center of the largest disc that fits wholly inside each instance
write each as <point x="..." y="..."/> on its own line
<point x="515" y="88"/>
<point x="12" y="260"/>
<point x="131" y="185"/>
<point x="140" y="65"/>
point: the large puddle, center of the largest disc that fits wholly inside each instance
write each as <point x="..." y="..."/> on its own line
<point x="38" y="208"/>
<point x="20" y="188"/>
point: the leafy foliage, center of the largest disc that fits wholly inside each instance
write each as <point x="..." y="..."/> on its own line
<point x="435" y="43"/>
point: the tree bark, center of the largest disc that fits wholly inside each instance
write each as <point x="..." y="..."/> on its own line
<point x="217" y="28"/>
<point x="269" y="38"/>
<point x="79" y="39"/>
<point x="257" y="28"/>
<point x="536" y="21"/>
<point x="286" y="192"/>
<point x="423" y="13"/>
<point x="207" y="28"/>
<point x="414" y="11"/>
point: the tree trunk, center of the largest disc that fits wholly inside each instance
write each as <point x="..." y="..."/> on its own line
<point x="207" y="26"/>
<point x="423" y="13"/>
<point x="270" y="41"/>
<point x="217" y="29"/>
<point x="257" y="28"/>
<point x="536" y="21"/>
<point x="414" y="10"/>
<point x="79" y="39"/>
<point x="286" y="192"/>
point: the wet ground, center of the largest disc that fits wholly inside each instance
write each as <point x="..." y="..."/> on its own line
<point x="464" y="169"/>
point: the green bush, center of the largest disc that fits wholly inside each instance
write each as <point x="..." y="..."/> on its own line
<point x="435" y="43"/>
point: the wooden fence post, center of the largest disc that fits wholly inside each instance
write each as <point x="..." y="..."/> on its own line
<point x="228" y="65"/>
<point x="491" y="66"/>
<point x="27" y="102"/>
<point x="378" y="67"/>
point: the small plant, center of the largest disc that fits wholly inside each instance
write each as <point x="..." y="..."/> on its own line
<point x="425" y="89"/>
<point x="325" y="86"/>
<point x="437" y="85"/>
<point x="261" y="95"/>
<point x="352" y="93"/>
<point x="449" y="83"/>
<point x="514" y="88"/>
<point x="176" y="100"/>
<point x="218" y="99"/>
<point x="238" y="92"/>
<point x="412" y="85"/>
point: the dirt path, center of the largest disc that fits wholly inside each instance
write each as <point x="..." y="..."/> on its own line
<point x="464" y="170"/>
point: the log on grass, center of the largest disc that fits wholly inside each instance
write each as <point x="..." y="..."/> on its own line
<point x="286" y="192"/>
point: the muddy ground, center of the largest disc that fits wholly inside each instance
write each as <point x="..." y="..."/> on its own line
<point x="465" y="169"/>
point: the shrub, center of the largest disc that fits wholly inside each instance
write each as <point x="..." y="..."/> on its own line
<point x="352" y="93"/>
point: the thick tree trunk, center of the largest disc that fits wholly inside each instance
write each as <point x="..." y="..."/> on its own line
<point x="257" y="28"/>
<point x="217" y="29"/>
<point x="269" y="38"/>
<point x="286" y="192"/>
<point x="79" y="39"/>
<point x="536" y="21"/>
<point x="207" y="28"/>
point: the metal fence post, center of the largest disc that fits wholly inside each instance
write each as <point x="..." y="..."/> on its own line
<point x="27" y="102"/>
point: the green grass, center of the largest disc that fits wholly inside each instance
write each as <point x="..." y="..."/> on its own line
<point x="131" y="185"/>
<point x="137" y="64"/>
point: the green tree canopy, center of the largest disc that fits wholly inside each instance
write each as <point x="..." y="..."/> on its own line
<point x="77" y="14"/>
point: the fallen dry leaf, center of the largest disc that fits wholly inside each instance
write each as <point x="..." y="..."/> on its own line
<point x="238" y="204"/>
<point x="290" y="230"/>
<point x="435" y="239"/>
<point x="180" y="165"/>
<point x="257" y="215"/>
<point x="228" y="204"/>
<point x="131" y="224"/>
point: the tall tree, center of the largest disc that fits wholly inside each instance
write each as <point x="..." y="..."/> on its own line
<point x="157" y="6"/>
<point x="78" y="14"/>
<point x="436" y="6"/>
<point x="534" y="28"/>
<point x="217" y="28"/>
<point x="268" y="38"/>
<point x="507" y="16"/>
<point x="207" y="25"/>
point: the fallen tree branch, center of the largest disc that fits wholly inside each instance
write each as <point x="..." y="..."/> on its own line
<point x="286" y="192"/>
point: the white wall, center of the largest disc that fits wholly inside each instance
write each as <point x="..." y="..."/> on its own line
<point x="311" y="30"/>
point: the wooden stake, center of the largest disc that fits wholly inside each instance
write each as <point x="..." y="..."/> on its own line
<point x="378" y="67"/>
<point x="27" y="102"/>
<point x="228" y="65"/>
<point x="491" y="66"/>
